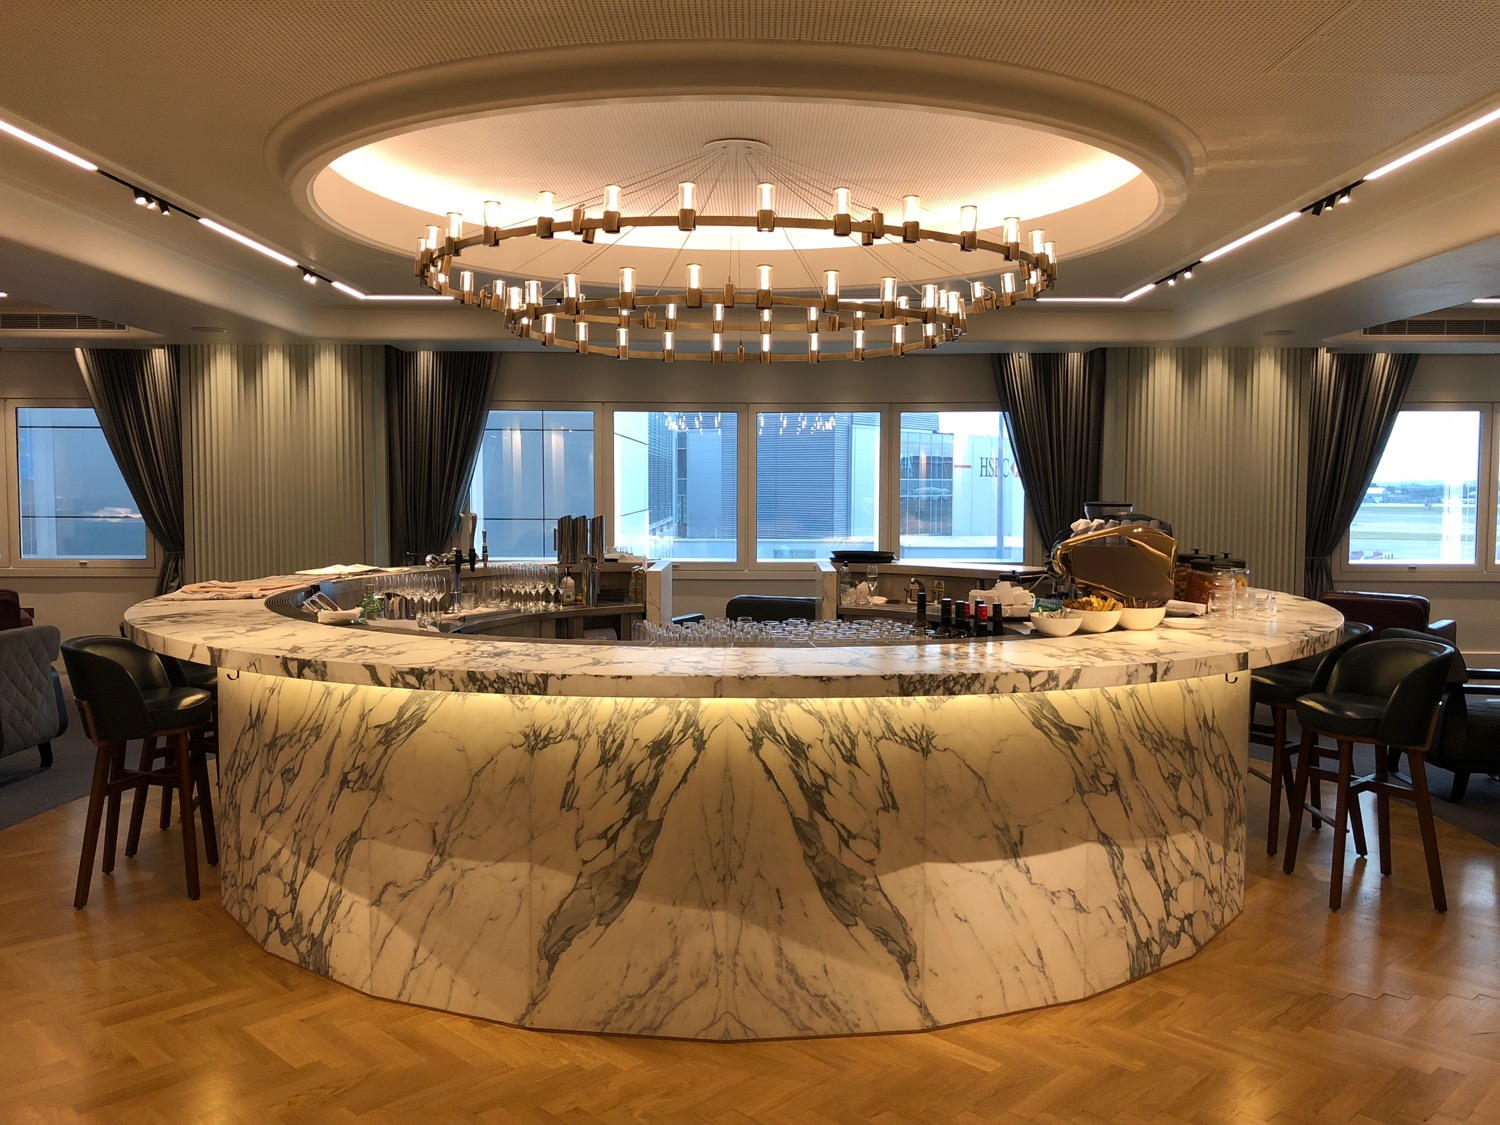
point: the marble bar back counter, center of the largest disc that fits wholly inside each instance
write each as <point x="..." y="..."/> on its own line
<point x="729" y="843"/>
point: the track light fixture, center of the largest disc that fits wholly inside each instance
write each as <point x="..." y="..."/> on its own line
<point x="1183" y="274"/>
<point x="1332" y="199"/>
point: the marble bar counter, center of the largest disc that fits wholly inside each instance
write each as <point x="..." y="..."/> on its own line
<point x="729" y="843"/>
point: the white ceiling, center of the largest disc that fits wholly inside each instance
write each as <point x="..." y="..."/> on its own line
<point x="1237" y="112"/>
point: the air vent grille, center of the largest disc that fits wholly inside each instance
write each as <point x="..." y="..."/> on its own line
<point x="1435" y="328"/>
<point x="56" y="322"/>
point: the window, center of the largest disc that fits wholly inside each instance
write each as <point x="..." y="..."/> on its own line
<point x="677" y="484"/>
<point x="73" y="501"/>
<point x="817" y="483"/>
<point x="534" y="466"/>
<point x="961" y="497"/>
<point x="1421" y="508"/>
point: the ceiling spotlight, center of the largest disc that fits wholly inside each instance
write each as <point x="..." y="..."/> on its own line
<point x="1187" y="274"/>
<point x="308" y="276"/>
<point x="166" y="208"/>
<point x="141" y="198"/>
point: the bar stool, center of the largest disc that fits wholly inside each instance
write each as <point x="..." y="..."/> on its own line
<point x="1279" y="687"/>
<point x="123" y="693"/>
<point x="1384" y="693"/>
<point x="181" y="673"/>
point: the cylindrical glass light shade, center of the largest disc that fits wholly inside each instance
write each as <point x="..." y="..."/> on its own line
<point x="533" y="292"/>
<point x="432" y="237"/>
<point x="929" y="296"/>
<point x="612" y="197"/>
<point x="764" y="197"/>
<point x="911" y="208"/>
<point x="888" y="290"/>
<point x="687" y="196"/>
<point x="695" y="276"/>
<point x="841" y="201"/>
<point x="1012" y="229"/>
<point x="830" y="283"/>
<point x="492" y="212"/>
<point x="545" y="204"/>
<point x="466" y="279"/>
<point x="455" y="224"/>
<point x="627" y="279"/>
<point x="1038" y="240"/>
<point x="570" y="286"/>
<point x="763" y="277"/>
<point x="969" y="217"/>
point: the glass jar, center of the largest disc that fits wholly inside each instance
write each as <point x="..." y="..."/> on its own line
<point x="1221" y="594"/>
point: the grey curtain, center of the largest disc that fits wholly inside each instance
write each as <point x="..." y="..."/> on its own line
<point x="134" y="392"/>
<point x="1353" y="408"/>
<point x="436" y="406"/>
<point x="1055" y="401"/>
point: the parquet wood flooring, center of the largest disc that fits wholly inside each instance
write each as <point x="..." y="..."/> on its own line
<point x="147" y="1008"/>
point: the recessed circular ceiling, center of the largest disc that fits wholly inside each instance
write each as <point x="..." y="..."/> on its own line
<point x="386" y="192"/>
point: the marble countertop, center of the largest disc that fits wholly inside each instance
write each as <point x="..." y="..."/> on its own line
<point x="245" y="635"/>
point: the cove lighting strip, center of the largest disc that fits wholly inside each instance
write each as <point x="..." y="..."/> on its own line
<point x="312" y="276"/>
<point x="165" y="207"/>
<point x="1341" y="196"/>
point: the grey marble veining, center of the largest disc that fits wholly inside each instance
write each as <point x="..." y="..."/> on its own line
<point x="244" y="635"/>
<point x="732" y="868"/>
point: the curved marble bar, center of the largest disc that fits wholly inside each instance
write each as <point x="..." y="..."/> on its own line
<point x="735" y="843"/>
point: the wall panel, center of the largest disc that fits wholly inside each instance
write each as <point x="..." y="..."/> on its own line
<point x="281" y="463"/>
<point x="1213" y="440"/>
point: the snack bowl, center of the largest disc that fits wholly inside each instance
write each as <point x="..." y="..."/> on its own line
<point x="1142" y="618"/>
<point x="1057" y="626"/>
<point x="1097" y="620"/>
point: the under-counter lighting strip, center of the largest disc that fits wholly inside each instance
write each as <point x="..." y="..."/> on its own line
<point x="313" y="276"/>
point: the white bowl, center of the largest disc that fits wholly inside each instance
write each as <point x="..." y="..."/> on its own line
<point x="1056" y="626"/>
<point x="1097" y="621"/>
<point x="1142" y="618"/>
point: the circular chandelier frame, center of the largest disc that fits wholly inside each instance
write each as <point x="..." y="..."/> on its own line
<point x="696" y="316"/>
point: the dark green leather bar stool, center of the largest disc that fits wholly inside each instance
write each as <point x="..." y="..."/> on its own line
<point x="124" y="694"/>
<point x="1278" y="687"/>
<point x="1384" y="693"/>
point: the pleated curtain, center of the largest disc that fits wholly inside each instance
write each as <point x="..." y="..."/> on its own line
<point x="1354" y="403"/>
<point x="436" y="407"/>
<point x="135" y="396"/>
<point x="1055" y="404"/>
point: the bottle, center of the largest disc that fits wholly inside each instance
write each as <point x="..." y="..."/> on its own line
<point x="370" y="608"/>
<point x="921" y="628"/>
<point x="568" y="588"/>
<point x="945" y="617"/>
<point x="961" y="624"/>
<point x="846" y="585"/>
<point x="981" y="619"/>
<point x="638" y="585"/>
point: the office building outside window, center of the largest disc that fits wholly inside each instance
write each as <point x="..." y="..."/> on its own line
<point x="73" y="501"/>
<point x="817" y="483"/>
<point x="677" y="484"/>
<point x="534" y="466"/>
<point x="1421" y="508"/>
<point x="961" y="497"/>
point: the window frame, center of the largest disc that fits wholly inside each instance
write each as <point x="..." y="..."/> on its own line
<point x="1487" y="500"/>
<point x="10" y="506"/>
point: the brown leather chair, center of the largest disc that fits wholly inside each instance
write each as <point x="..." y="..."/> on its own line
<point x="1384" y="611"/>
<point x="1467" y="739"/>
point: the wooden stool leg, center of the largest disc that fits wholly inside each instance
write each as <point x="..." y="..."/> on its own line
<point x="1357" y="825"/>
<point x="102" y="755"/>
<point x="205" y="802"/>
<point x="1460" y="786"/>
<point x="1423" y="800"/>
<point x="1341" y="823"/>
<point x="185" y="812"/>
<point x="1280" y="782"/>
<point x="1305" y="754"/>
<point x="1383" y="806"/>
<point x="138" y="800"/>
<point x="112" y="808"/>
<point x="166" y="794"/>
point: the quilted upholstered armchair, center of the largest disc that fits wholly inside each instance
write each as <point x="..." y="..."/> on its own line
<point x="32" y="711"/>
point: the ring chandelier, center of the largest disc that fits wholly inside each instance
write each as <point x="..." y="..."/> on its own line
<point x="697" y="323"/>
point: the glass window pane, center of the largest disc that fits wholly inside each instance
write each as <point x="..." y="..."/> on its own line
<point x="1420" y="506"/>
<point x="817" y="483"/>
<point x="534" y="466"/>
<point x="961" y="497"/>
<point x="74" y="503"/>
<point x="677" y="484"/>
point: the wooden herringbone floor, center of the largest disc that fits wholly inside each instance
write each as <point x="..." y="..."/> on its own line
<point x="146" y="1008"/>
